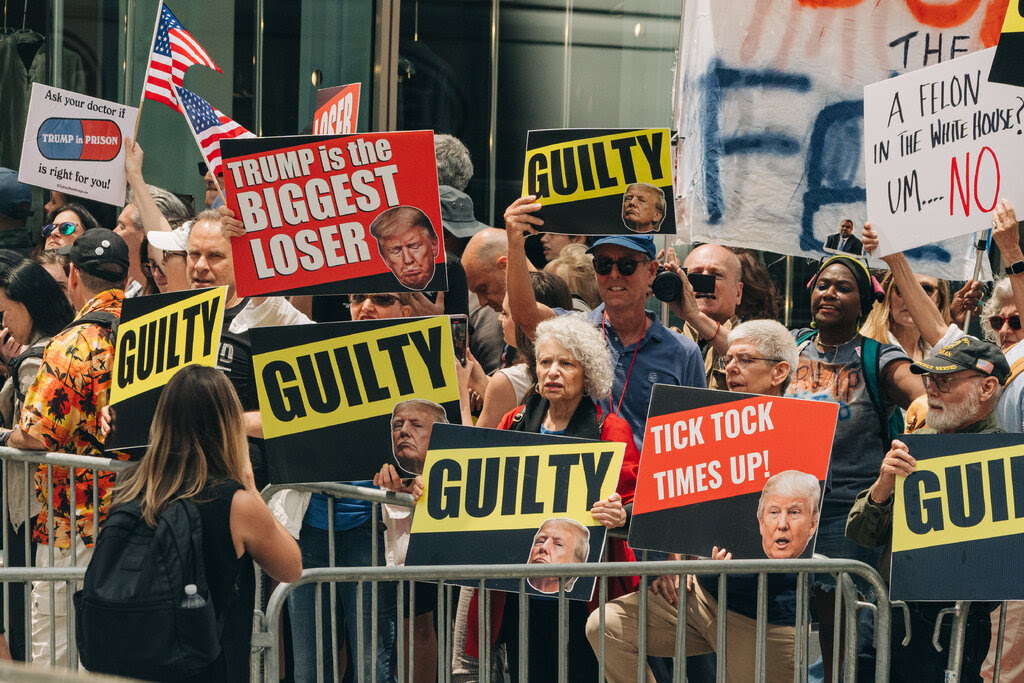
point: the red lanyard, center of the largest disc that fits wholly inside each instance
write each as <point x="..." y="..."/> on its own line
<point x="604" y="335"/>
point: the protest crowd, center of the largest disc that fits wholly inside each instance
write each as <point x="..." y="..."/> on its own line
<point x="203" y="352"/>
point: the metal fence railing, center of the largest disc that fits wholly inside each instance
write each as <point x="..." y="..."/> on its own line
<point x="20" y="468"/>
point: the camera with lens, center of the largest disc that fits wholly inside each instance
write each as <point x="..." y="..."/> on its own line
<point x="668" y="286"/>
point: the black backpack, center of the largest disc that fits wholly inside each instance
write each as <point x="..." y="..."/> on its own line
<point x="129" y="618"/>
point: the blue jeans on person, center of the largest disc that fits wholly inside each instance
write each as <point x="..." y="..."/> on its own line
<point x="831" y="541"/>
<point x="352" y="548"/>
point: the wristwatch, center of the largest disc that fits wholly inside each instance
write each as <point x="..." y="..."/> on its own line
<point x="1015" y="268"/>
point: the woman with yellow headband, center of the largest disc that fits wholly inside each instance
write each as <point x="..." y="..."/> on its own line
<point x="834" y="359"/>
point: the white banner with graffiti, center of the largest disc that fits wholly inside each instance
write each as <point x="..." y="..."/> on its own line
<point x="769" y="103"/>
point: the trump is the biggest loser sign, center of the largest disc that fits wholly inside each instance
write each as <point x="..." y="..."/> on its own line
<point x="335" y="215"/>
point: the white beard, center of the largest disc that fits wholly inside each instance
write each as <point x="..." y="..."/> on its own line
<point x="954" y="416"/>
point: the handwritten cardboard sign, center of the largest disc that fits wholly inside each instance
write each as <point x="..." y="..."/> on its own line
<point x="941" y="147"/>
<point x="74" y="144"/>
<point x="708" y="459"/>
<point x="339" y="215"/>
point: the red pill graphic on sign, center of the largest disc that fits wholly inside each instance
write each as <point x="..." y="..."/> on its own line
<point x="78" y="139"/>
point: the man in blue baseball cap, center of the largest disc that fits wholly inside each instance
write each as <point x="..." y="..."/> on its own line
<point x="644" y="352"/>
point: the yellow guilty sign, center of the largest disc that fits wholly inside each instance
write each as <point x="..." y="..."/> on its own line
<point x="515" y="487"/>
<point x="154" y="346"/>
<point x="962" y="497"/>
<point x="601" y="166"/>
<point x="355" y="377"/>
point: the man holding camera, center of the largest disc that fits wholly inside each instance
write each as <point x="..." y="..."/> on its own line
<point x="709" y="316"/>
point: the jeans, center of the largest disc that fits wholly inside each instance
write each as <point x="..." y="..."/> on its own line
<point x="831" y="541"/>
<point x="352" y="548"/>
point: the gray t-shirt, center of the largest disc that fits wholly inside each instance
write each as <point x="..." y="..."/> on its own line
<point x="859" y="444"/>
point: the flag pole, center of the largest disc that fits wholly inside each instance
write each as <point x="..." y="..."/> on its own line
<point x="980" y="250"/>
<point x="177" y="96"/>
<point x="149" y="63"/>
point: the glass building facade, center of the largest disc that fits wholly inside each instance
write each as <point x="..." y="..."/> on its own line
<point x="484" y="71"/>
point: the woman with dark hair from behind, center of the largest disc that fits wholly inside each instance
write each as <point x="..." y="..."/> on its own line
<point x="208" y="463"/>
<point x="34" y="309"/>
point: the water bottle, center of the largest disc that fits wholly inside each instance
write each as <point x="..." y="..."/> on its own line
<point x="192" y="597"/>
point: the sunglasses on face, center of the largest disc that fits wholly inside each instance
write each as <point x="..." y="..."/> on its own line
<point x="61" y="228"/>
<point x="997" y="321"/>
<point x="203" y="168"/>
<point x="381" y="300"/>
<point x="928" y="289"/>
<point x="627" y="266"/>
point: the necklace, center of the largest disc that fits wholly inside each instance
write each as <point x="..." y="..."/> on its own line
<point x="825" y="347"/>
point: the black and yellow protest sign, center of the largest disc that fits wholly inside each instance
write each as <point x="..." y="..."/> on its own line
<point x="339" y="400"/>
<point x="1008" y="64"/>
<point x="157" y="336"/>
<point x="504" y="497"/>
<point x="601" y="182"/>
<point x="958" y="520"/>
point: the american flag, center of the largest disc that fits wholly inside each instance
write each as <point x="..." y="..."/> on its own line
<point x="174" y="51"/>
<point x="209" y="126"/>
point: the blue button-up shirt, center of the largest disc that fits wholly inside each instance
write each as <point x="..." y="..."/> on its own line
<point x="662" y="357"/>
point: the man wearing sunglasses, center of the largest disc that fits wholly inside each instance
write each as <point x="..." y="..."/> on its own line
<point x="644" y="352"/>
<point x="963" y="381"/>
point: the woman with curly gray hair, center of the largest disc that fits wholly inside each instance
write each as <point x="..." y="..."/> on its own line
<point x="572" y="371"/>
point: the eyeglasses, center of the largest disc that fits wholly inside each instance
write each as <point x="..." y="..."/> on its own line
<point x="203" y="168"/>
<point x="149" y="266"/>
<point x="928" y="289"/>
<point x="381" y="300"/>
<point x="944" y="383"/>
<point x="62" y="228"/>
<point x="182" y="254"/>
<point x="743" y="359"/>
<point x="627" y="266"/>
<point x="997" y="321"/>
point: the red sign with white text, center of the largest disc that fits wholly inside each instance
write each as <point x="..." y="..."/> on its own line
<point x="334" y="215"/>
<point x="337" y="110"/>
<point x="703" y="449"/>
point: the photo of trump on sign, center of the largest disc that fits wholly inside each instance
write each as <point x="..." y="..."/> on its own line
<point x="408" y="244"/>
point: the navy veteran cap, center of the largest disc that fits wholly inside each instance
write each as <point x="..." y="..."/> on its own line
<point x="96" y="251"/>
<point x="966" y="353"/>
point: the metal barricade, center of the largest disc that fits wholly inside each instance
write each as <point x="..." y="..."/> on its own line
<point x="17" y="471"/>
<point x="265" y="640"/>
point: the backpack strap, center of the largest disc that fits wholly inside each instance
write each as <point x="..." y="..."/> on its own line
<point x="1015" y="369"/>
<point x="102" y="318"/>
<point x="15" y="366"/>
<point x="870" y="360"/>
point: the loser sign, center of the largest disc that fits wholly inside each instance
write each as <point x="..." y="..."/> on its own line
<point x="340" y="215"/>
<point x="942" y="146"/>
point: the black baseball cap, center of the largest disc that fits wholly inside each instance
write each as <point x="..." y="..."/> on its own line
<point x="966" y="353"/>
<point x="96" y="250"/>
